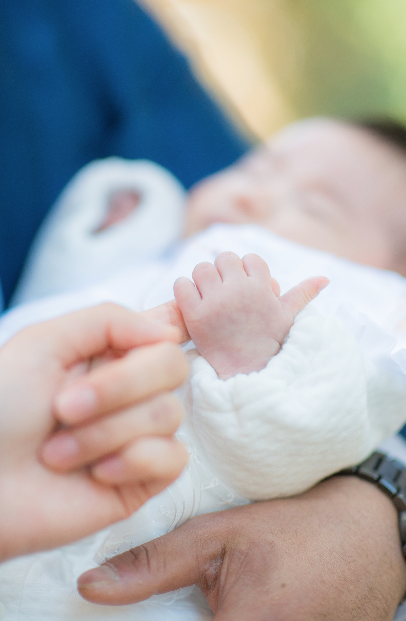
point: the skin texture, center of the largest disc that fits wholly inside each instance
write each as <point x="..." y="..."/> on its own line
<point x="321" y="183"/>
<point x="79" y="370"/>
<point x="332" y="553"/>
<point x="234" y="313"/>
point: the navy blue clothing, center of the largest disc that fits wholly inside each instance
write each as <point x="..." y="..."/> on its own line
<point x="84" y="79"/>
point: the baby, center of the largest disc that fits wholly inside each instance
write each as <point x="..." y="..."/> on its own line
<point x="283" y="394"/>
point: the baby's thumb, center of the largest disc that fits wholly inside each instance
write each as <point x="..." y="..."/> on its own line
<point x="299" y="296"/>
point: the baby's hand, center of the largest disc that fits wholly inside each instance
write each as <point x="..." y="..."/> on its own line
<point x="234" y="314"/>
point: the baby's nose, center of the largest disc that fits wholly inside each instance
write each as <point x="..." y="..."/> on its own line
<point x="247" y="204"/>
<point x="259" y="200"/>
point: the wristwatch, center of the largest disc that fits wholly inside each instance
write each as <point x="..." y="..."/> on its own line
<point x="390" y="476"/>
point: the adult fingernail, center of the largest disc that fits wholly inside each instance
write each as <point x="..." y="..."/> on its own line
<point x="76" y="403"/>
<point x="59" y="449"/>
<point x="96" y="577"/>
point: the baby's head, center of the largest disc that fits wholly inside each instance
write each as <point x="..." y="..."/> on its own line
<point x="331" y="185"/>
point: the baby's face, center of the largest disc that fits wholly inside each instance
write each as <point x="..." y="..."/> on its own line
<point x="322" y="183"/>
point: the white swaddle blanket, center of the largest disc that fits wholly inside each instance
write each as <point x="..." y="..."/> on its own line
<point x="315" y="408"/>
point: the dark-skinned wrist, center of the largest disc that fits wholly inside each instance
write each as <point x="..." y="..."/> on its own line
<point x="389" y="476"/>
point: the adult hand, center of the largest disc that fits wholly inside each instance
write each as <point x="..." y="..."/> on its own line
<point x="332" y="553"/>
<point x="83" y="445"/>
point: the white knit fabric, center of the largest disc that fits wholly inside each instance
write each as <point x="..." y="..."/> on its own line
<point x="277" y="432"/>
<point x="317" y="407"/>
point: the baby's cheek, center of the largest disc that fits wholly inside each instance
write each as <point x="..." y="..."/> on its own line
<point x="304" y="230"/>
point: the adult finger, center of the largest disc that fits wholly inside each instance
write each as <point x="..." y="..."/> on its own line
<point x="157" y="566"/>
<point x="143" y="373"/>
<point x="316" y="556"/>
<point x="143" y="461"/>
<point x="89" y="332"/>
<point x="299" y="296"/>
<point x="71" y="449"/>
<point x="170" y="314"/>
<point x="207" y="545"/>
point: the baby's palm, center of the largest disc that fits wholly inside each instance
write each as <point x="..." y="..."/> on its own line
<point x="235" y="315"/>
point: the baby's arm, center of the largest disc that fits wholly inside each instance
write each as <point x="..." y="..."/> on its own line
<point x="234" y="314"/>
<point x="277" y="432"/>
<point x="315" y="408"/>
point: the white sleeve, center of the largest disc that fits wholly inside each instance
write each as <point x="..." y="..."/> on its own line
<point x="316" y="408"/>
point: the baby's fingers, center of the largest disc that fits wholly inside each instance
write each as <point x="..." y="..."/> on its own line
<point x="74" y="448"/>
<point x="299" y="296"/>
<point x="186" y="295"/>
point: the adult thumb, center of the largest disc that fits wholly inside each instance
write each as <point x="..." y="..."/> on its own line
<point x="171" y="562"/>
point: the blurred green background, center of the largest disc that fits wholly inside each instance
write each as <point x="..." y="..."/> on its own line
<point x="271" y="61"/>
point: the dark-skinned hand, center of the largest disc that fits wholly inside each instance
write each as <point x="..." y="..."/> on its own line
<point x="332" y="553"/>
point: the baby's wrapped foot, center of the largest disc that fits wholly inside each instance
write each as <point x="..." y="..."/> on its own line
<point x="234" y="313"/>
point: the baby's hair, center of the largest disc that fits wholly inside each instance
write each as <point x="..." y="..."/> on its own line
<point x="391" y="131"/>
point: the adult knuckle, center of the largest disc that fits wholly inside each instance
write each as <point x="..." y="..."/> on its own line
<point x="141" y="557"/>
<point x="180" y="458"/>
<point x="174" y="362"/>
<point x="95" y="436"/>
<point x="139" y="459"/>
<point x="150" y="556"/>
<point x="167" y="412"/>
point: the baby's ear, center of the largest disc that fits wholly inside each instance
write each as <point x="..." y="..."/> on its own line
<point x="275" y="287"/>
<point x="169" y="313"/>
